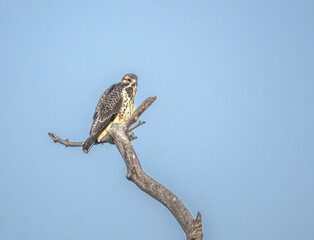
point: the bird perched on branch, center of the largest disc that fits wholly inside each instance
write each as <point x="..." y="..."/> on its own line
<point x="115" y="105"/>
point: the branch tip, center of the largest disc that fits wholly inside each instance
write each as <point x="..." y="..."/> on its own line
<point x="65" y="142"/>
<point x="136" y="126"/>
<point x="196" y="228"/>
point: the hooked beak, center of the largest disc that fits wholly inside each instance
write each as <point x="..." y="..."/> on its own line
<point x="134" y="84"/>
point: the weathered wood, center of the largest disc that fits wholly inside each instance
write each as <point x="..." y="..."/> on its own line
<point x="191" y="227"/>
<point x="106" y="139"/>
<point x="120" y="135"/>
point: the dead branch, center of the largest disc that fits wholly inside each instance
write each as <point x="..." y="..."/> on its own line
<point x="120" y="135"/>
<point x="192" y="227"/>
<point x="137" y="125"/>
<point x="106" y="139"/>
<point x="65" y="142"/>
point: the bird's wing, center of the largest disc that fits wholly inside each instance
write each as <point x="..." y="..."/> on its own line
<point x="107" y="109"/>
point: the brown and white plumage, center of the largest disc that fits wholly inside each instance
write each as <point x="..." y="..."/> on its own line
<point x="115" y="105"/>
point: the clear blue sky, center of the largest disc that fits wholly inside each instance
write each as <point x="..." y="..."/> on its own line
<point x="231" y="132"/>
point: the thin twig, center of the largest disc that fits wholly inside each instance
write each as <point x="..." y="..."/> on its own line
<point x="65" y="142"/>
<point x="137" y="125"/>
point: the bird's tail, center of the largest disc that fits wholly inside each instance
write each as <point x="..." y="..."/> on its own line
<point x="90" y="141"/>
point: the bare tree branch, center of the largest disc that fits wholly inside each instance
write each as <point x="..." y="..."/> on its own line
<point x="106" y="139"/>
<point x="137" y="125"/>
<point x="120" y="134"/>
<point x="192" y="227"/>
<point x="65" y="142"/>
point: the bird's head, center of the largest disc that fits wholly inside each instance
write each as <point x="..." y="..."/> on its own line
<point x="129" y="80"/>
